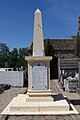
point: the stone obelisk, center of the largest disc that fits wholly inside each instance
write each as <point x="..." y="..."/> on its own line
<point x="38" y="63"/>
<point x="38" y="45"/>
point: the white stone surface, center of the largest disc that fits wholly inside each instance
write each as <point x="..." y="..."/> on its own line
<point x="19" y="106"/>
<point x="38" y="44"/>
<point x="34" y="59"/>
<point x="37" y="11"/>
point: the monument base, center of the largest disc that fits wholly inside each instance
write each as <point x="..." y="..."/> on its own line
<point x="39" y="93"/>
<point x="25" y="105"/>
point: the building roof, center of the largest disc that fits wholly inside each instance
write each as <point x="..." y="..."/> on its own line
<point x="60" y="44"/>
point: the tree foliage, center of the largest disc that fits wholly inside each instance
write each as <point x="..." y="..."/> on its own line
<point x="49" y="51"/>
<point x="14" y="58"/>
<point x="4" y="51"/>
<point x="21" y="57"/>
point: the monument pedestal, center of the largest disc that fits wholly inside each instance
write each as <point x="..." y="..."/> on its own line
<point x="38" y="76"/>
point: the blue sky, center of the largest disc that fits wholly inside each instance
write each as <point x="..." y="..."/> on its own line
<point x="60" y="20"/>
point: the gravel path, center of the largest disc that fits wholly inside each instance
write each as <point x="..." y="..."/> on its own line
<point x="73" y="97"/>
<point x="7" y="96"/>
<point x="41" y="117"/>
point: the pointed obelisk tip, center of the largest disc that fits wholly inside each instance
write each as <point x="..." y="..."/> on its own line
<point x="37" y="11"/>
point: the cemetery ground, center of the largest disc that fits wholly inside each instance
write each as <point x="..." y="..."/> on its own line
<point x="7" y="95"/>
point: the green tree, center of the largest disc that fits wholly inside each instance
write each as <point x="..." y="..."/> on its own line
<point x="13" y="57"/>
<point x="4" y="51"/>
<point x="21" y="57"/>
<point x="49" y="51"/>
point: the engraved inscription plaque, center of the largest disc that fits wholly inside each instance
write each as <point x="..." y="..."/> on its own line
<point x="39" y="52"/>
<point x="39" y="76"/>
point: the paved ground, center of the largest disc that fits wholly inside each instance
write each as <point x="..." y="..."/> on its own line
<point x="7" y="96"/>
<point x="73" y="97"/>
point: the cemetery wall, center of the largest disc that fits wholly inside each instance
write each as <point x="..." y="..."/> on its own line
<point x="14" y="78"/>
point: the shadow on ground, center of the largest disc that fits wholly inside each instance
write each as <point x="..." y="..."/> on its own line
<point x="58" y="96"/>
<point x="75" y="102"/>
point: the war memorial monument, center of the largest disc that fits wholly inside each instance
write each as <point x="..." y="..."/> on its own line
<point x="39" y="98"/>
